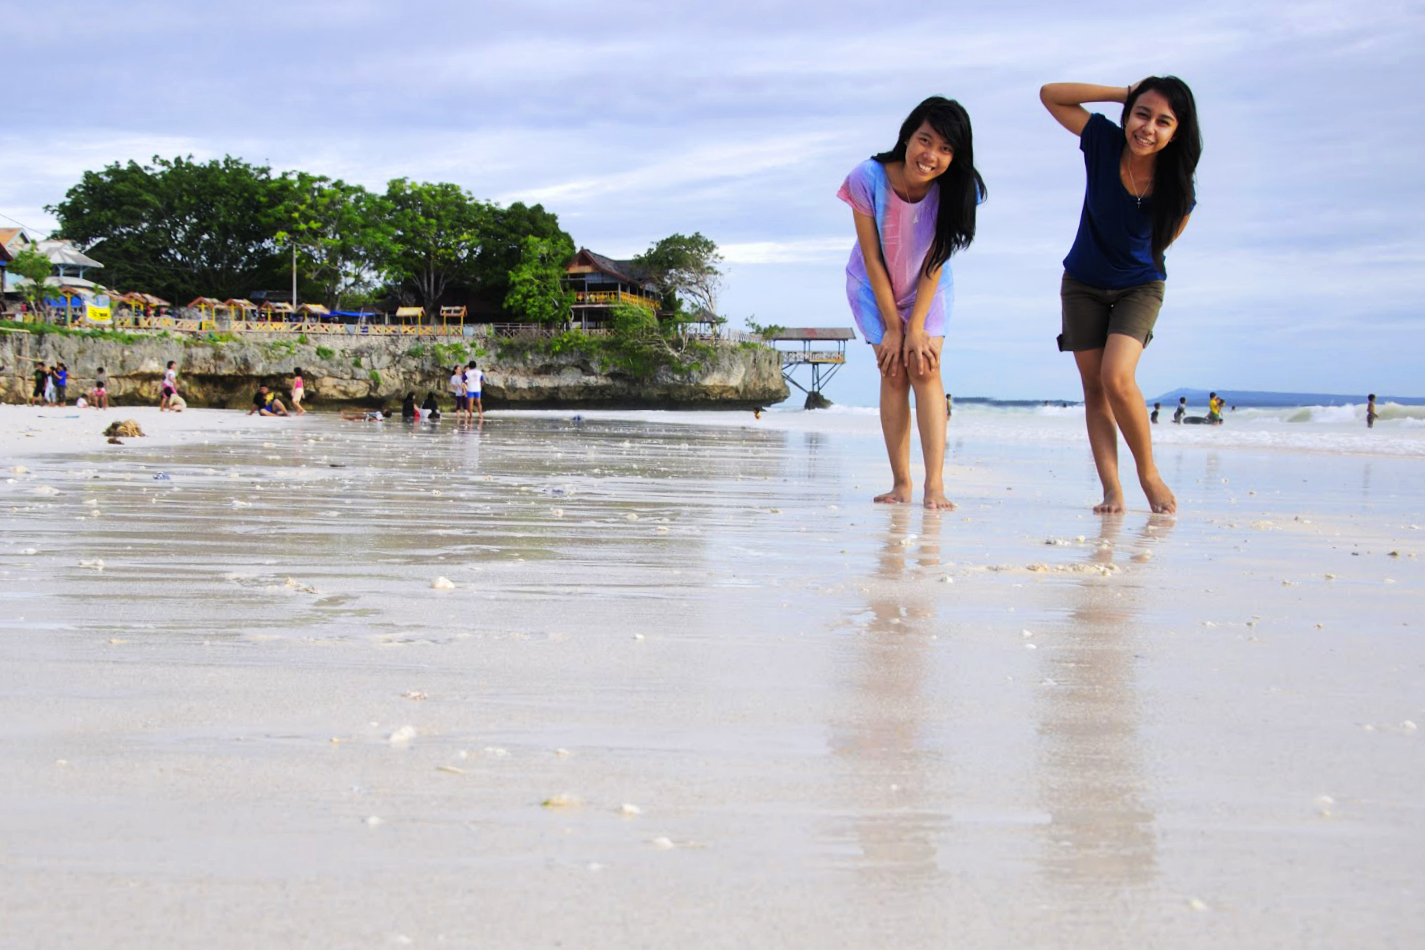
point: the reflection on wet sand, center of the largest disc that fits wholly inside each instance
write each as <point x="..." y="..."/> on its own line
<point x="1100" y="836"/>
<point x="896" y="786"/>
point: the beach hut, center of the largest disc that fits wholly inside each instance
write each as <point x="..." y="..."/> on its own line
<point x="449" y="315"/>
<point x="241" y="309"/>
<point x="276" y="310"/>
<point x="312" y="312"/>
<point x="206" y="306"/>
<point x="409" y="315"/>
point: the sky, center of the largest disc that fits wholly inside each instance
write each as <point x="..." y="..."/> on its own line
<point x="1303" y="268"/>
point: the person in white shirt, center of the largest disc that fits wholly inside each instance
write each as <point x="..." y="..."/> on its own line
<point x="474" y="382"/>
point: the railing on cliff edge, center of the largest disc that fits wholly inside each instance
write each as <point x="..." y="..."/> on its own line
<point x="186" y="320"/>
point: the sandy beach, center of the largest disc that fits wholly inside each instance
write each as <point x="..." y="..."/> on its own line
<point x="616" y="680"/>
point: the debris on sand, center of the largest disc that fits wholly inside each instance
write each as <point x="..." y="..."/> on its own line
<point x="128" y="429"/>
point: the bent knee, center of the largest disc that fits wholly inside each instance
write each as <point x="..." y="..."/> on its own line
<point x="925" y="374"/>
<point x="1119" y="385"/>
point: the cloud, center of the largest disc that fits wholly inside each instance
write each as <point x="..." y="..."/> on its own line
<point x="806" y="250"/>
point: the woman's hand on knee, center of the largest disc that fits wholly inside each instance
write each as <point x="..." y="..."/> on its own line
<point x="889" y="355"/>
<point x="922" y="352"/>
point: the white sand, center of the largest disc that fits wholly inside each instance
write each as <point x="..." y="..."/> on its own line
<point x="260" y="723"/>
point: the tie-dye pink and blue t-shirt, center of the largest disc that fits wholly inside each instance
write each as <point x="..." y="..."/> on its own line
<point x="907" y="231"/>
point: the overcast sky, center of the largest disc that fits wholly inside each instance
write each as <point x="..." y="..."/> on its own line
<point x="1303" y="268"/>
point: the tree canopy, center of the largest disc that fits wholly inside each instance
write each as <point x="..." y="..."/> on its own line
<point x="537" y="293"/>
<point x="686" y="271"/>
<point x="31" y="264"/>
<point x="341" y="233"/>
<point x="180" y="228"/>
<point x="224" y="228"/>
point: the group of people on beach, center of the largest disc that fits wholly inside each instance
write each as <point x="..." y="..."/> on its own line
<point x="52" y="388"/>
<point x="915" y="205"/>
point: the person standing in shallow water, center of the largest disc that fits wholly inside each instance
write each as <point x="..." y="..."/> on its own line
<point x="1138" y="198"/>
<point x="913" y="207"/>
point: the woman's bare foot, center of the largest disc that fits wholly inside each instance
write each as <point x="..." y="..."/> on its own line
<point x="1160" y="497"/>
<point x="935" y="500"/>
<point x="899" y="495"/>
<point x="1112" y="503"/>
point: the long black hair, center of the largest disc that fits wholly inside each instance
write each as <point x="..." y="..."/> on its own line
<point x="961" y="187"/>
<point x="1173" y="189"/>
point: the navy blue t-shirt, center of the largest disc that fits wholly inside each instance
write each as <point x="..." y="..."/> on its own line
<point x="1114" y="246"/>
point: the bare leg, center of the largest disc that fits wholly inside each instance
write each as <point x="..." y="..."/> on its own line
<point x="1103" y="430"/>
<point x="1119" y="369"/>
<point x="895" y="426"/>
<point x="930" y="420"/>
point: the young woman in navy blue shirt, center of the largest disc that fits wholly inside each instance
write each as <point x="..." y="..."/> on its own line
<point x="1137" y="201"/>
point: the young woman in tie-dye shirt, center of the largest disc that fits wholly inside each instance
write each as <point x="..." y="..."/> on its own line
<point x="914" y="206"/>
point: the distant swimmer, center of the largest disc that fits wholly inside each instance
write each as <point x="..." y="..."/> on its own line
<point x="898" y="279"/>
<point x="1371" y="414"/>
<point x="1157" y="408"/>
<point x="1138" y="197"/>
<point x="1181" y="410"/>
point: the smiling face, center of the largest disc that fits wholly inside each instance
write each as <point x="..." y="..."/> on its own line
<point x="1150" y="124"/>
<point x="927" y="156"/>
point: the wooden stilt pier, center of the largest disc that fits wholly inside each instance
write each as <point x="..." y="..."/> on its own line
<point x="822" y="348"/>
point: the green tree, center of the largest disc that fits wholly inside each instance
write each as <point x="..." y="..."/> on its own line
<point x="342" y="234"/>
<point x="438" y="231"/>
<point x="537" y="293"/>
<point x="35" y="267"/>
<point x="180" y="228"/>
<point x="686" y="271"/>
<point x="502" y="246"/>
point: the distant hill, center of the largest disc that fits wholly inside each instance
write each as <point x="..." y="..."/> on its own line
<point x="1249" y="398"/>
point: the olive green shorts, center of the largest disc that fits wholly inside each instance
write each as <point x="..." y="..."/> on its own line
<point x="1092" y="313"/>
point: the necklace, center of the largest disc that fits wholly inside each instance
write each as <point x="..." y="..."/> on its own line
<point x="903" y="187"/>
<point x="1137" y="197"/>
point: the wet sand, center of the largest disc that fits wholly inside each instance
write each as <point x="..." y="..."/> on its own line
<point x="685" y="686"/>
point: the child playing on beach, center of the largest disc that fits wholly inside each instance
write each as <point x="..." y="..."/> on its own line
<point x="913" y="207"/>
<point x="1138" y="198"/>
<point x="99" y="395"/>
<point x="1371" y="414"/>
<point x="170" y="385"/>
<point x="266" y="403"/>
<point x="61" y="384"/>
<point x="299" y="389"/>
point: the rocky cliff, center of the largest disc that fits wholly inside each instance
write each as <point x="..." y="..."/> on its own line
<point x="368" y="371"/>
